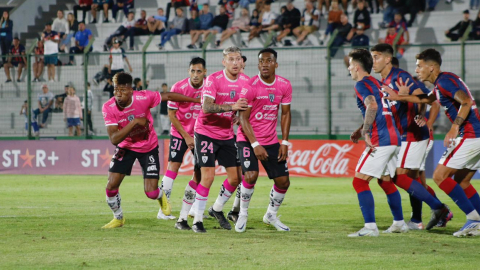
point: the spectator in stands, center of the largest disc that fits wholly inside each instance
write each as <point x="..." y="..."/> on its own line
<point x="176" y="4"/>
<point x="412" y="7"/>
<point x="321" y="3"/>
<point x="432" y="4"/>
<point x="399" y="23"/>
<point x="16" y="59"/>
<point x="396" y="64"/>
<point x="457" y="31"/>
<point x="281" y="21"/>
<point x="394" y="6"/>
<point x="475" y="34"/>
<point x="6" y="35"/>
<point x="164" y="119"/>
<point x="125" y="5"/>
<point x="121" y="31"/>
<point x="293" y="21"/>
<point x="33" y="121"/>
<point x="255" y="19"/>
<point x="474" y="4"/>
<point x="156" y="23"/>
<point x="310" y="23"/>
<point x="82" y="38"/>
<point x="333" y="20"/>
<point x="109" y="87"/>
<point x="140" y="28"/>
<point x="246" y="3"/>
<point x="219" y="24"/>
<point x="84" y="6"/>
<point x="138" y="84"/>
<point x="72" y="112"/>
<point x="38" y="65"/>
<point x="73" y="28"/>
<point x="206" y="20"/>
<point x="178" y="26"/>
<point x="58" y="105"/>
<point x="117" y="61"/>
<point x="240" y="24"/>
<point x="50" y="41"/>
<point x="343" y="31"/>
<point x="45" y="101"/>
<point x="378" y="5"/>
<point x="99" y="5"/>
<point x="267" y="19"/>
<point x="358" y="41"/>
<point x="361" y="16"/>
<point x="229" y="7"/>
<point x="89" y="109"/>
<point x="60" y="25"/>
<point x="390" y="39"/>
<point x="193" y="25"/>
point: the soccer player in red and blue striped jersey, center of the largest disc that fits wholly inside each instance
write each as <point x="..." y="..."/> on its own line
<point x="462" y="158"/>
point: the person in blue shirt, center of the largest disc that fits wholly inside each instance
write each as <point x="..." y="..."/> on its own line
<point x="6" y="36"/>
<point x="359" y="41"/>
<point x="82" y="37"/>
<point x="126" y="5"/>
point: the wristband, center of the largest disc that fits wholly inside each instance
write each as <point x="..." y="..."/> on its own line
<point x="285" y="142"/>
<point x="255" y="144"/>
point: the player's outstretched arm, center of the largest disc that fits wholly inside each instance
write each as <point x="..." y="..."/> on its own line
<point x="170" y="96"/>
<point x="172" y="114"/>
<point x="259" y="151"/>
<point x="466" y="103"/>
<point x="423" y="98"/>
<point x="118" y="135"/>
<point x="209" y="106"/>
<point x="370" y="115"/>
<point x="285" y="123"/>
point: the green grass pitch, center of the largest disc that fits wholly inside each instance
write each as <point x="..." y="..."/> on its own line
<point x="54" y="222"/>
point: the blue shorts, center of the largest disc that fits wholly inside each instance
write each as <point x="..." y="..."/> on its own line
<point x="73" y="122"/>
<point x="217" y="28"/>
<point x="51" y="59"/>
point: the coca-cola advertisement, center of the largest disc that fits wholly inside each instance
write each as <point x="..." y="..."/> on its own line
<point x="315" y="158"/>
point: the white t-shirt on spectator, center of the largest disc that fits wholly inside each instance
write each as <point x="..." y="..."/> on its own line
<point x="308" y="18"/>
<point x="128" y="24"/>
<point x="60" y="26"/>
<point x="117" y="56"/>
<point x="50" y="47"/>
<point x="268" y="17"/>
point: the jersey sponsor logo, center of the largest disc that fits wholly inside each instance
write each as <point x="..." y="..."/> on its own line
<point x="270" y="107"/>
<point x="243" y="78"/>
<point x="259" y="116"/>
<point x="131" y="117"/>
<point x="262" y="97"/>
<point x="104" y="114"/>
<point x="151" y="158"/>
<point x="123" y="120"/>
<point x="151" y="168"/>
<point x="190" y="115"/>
<point x="271" y="96"/>
<point x="219" y="76"/>
<point x="204" y="159"/>
<point x="246" y="163"/>
<point x="195" y="107"/>
<point x="223" y="94"/>
<point x="183" y="86"/>
<point x="244" y="91"/>
<point x="131" y="110"/>
<point x="232" y="94"/>
<point x="111" y="164"/>
<point x="208" y="83"/>
<point x="174" y="154"/>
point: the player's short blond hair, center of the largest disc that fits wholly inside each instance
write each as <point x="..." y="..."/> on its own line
<point x="231" y="49"/>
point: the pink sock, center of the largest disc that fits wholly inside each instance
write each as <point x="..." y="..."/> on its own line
<point x="247" y="185"/>
<point x="193" y="185"/>
<point x="111" y="193"/>
<point x="279" y="190"/>
<point x="153" y="194"/>
<point x="171" y="174"/>
<point x="203" y="191"/>
<point x="228" y="186"/>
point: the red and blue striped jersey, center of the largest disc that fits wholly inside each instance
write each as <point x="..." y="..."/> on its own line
<point x="384" y="131"/>
<point x="405" y="112"/>
<point x="446" y="86"/>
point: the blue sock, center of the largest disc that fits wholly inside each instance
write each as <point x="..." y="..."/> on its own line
<point x="418" y="191"/>
<point x="457" y="194"/>
<point x="475" y="200"/>
<point x="367" y="205"/>
<point x="395" y="203"/>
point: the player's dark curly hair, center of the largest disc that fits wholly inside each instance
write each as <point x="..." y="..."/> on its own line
<point x="430" y="55"/>
<point x="268" y="50"/>
<point x="198" y="60"/>
<point x="122" y="78"/>
<point x="363" y="57"/>
<point x="383" y="48"/>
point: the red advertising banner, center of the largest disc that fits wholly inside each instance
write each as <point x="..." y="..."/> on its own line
<point x="316" y="158"/>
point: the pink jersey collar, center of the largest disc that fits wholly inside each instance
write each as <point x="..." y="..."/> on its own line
<point x="267" y="84"/>
<point x="199" y="88"/>
<point x="226" y="77"/>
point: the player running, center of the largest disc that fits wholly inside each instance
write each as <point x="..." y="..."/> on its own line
<point x="462" y="157"/>
<point x="414" y="139"/>
<point x="183" y="116"/>
<point x="130" y="128"/>
<point x="214" y="138"/>
<point x="257" y="138"/>
<point x="381" y="137"/>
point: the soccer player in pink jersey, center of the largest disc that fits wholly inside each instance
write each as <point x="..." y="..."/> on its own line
<point x="257" y="138"/>
<point x="214" y="138"/>
<point x="130" y="128"/>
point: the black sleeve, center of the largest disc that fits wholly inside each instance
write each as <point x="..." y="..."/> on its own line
<point x="456" y="27"/>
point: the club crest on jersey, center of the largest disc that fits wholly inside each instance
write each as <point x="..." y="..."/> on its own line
<point x="246" y="163"/>
<point x="271" y="96"/>
<point x="204" y="159"/>
<point x="232" y="94"/>
<point x="131" y="117"/>
<point x="174" y="154"/>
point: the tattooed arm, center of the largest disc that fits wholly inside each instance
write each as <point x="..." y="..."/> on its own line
<point x="209" y="106"/>
<point x="465" y="106"/>
<point x="370" y="114"/>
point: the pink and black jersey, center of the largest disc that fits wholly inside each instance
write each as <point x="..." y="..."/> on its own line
<point x="446" y="86"/>
<point x="405" y="112"/>
<point x="17" y="51"/>
<point x="384" y="131"/>
<point x="225" y="91"/>
<point x="140" y="139"/>
<point x="265" y="99"/>
<point x="187" y="112"/>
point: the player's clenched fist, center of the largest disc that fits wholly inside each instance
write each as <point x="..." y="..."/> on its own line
<point x="240" y="105"/>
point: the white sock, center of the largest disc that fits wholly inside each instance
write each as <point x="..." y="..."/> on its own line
<point x="371" y="225"/>
<point x="473" y="215"/>
<point x="188" y="199"/>
<point x="115" y="204"/>
<point x="222" y="199"/>
<point x="167" y="184"/>
<point x="246" y="196"/>
<point x="276" y="199"/>
<point x="236" y="202"/>
<point x="398" y="222"/>
<point x="201" y="203"/>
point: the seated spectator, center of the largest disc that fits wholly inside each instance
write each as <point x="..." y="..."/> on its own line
<point x="178" y="26"/>
<point x="50" y="40"/>
<point x="206" y="20"/>
<point x="138" y="84"/>
<point x="379" y="5"/>
<point x="60" y="25"/>
<point x="140" y="28"/>
<point x="399" y="23"/>
<point x="121" y="31"/>
<point x="82" y="38"/>
<point x="390" y="39"/>
<point x="412" y="7"/>
<point x="72" y="112"/>
<point x="156" y="23"/>
<point x="99" y="5"/>
<point x="176" y="4"/>
<point x="254" y="19"/>
<point x="16" y="59"/>
<point x="84" y="6"/>
<point x="6" y="35"/>
<point x="293" y="21"/>
<point x="456" y="32"/>
<point x="58" y="105"/>
<point x="109" y="87"/>
<point x="38" y="65"/>
<point x="117" y="61"/>
<point x="45" y="101"/>
<point x="219" y="24"/>
<point x="321" y="3"/>
<point x="343" y="31"/>
<point x="73" y="28"/>
<point x="394" y="6"/>
<point x="240" y="24"/>
<point x="193" y="26"/>
<point x="229" y="7"/>
<point x="474" y="4"/>
<point x="310" y="23"/>
<point x="245" y="3"/>
<point x="475" y="34"/>
<point x="333" y="20"/>
<point x="280" y="21"/>
<point x="267" y="19"/>
<point x="432" y="4"/>
<point x="125" y="5"/>
<point x="361" y="16"/>
<point x="359" y="41"/>
<point x="33" y="121"/>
